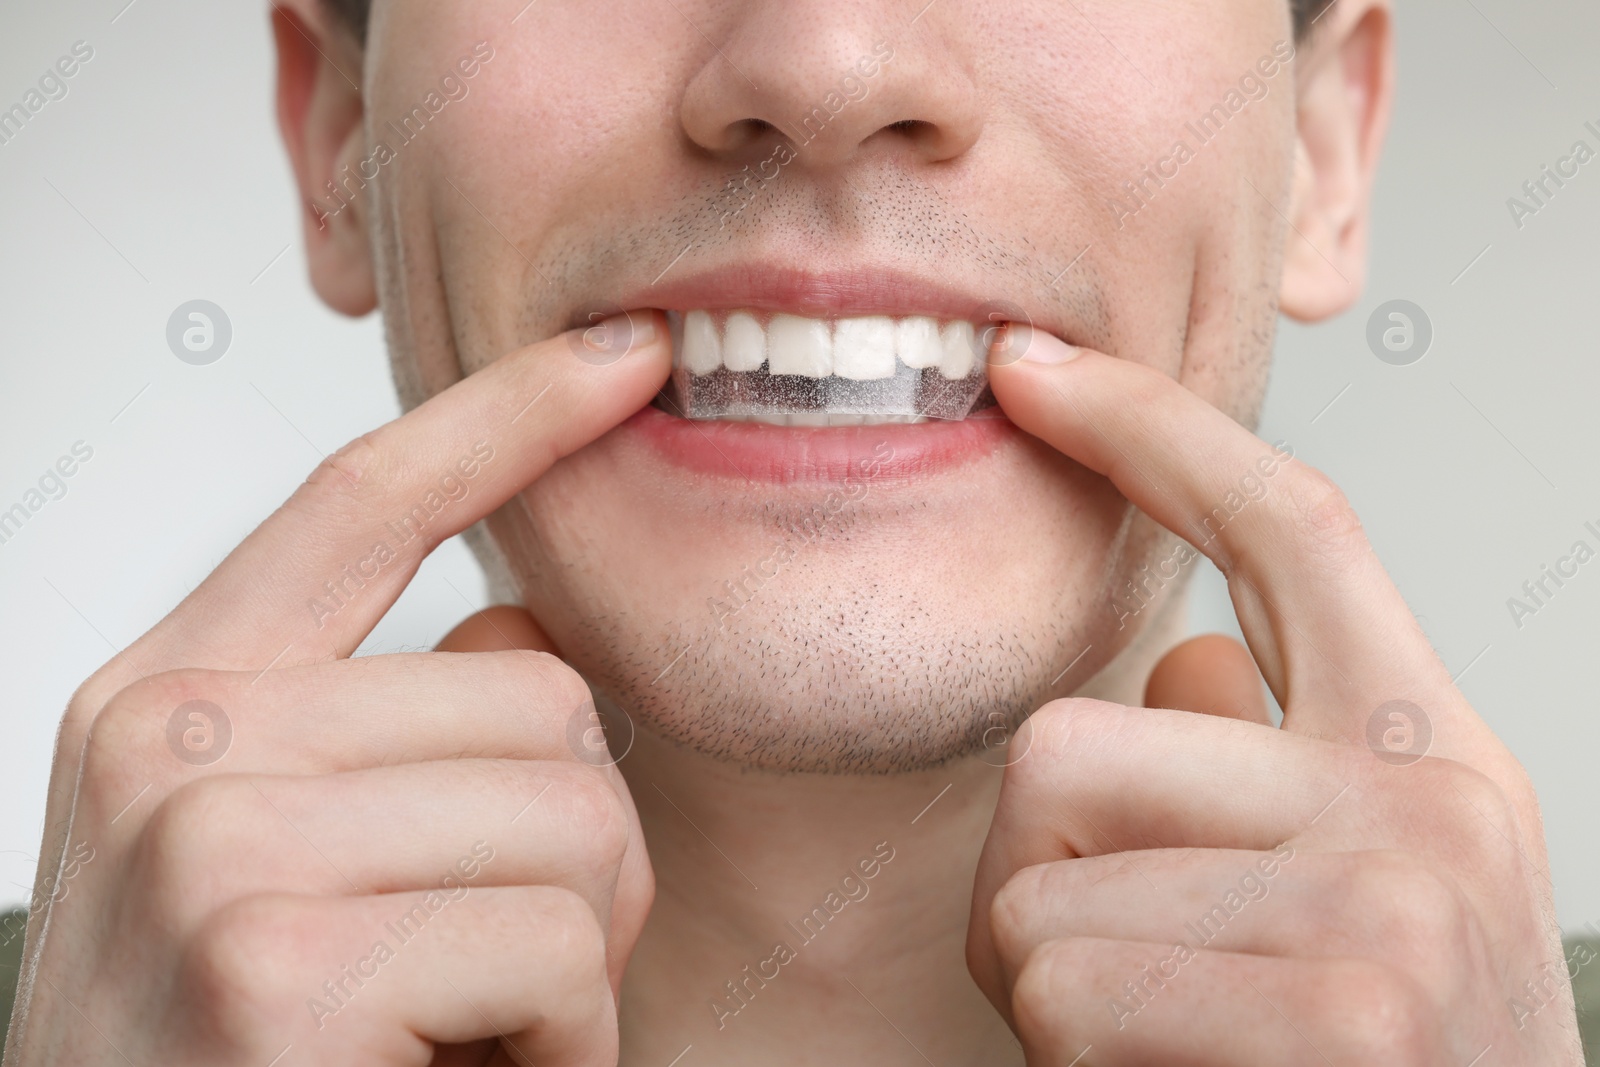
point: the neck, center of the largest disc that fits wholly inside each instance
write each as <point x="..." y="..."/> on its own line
<point x="816" y="918"/>
<point x="782" y="899"/>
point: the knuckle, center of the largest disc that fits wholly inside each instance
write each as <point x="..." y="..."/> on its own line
<point x="1082" y="757"/>
<point x="592" y="809"/>
<point x="1472" y="819"/>
<point x="544" y="673"/>
<point x="580" y="808"/>
<point x="117" y="683"/>
<point x="1075" y="760"/>
<point x="126" y="735"/>
<point x="177" y="841"/>
<point x="116" y="734"/>
<point x="1011" y="911"/>
<point x="1324" y="513"/>
<point x="1066" y="730"/>
<point x="1043" y="987"/>
<point x="344" y="481"/>
<point x="1374" y="1014"/>
<point x="354" y="466"/>
<point x="1357" y="765"/>
<point x="1412" y="913"/>
<point x="568" y="930"/>
<point x="122" y="723"/>
<point x="86" y="704"/>
<point x="234" y="969"/>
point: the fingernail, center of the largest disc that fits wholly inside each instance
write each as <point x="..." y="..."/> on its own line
<point x="612" y="338"/>
<point x="643" y="325"/>
<point x="1047" y="349"/>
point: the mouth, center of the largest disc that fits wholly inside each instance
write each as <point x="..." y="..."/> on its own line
<point x="822" y="376"/>
<point x="786" y="369"/>
<point x="778" y="397"/>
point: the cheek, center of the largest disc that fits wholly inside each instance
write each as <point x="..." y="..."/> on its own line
<point x="1228" y="336"/>
<point x="1188" y="254"/>
<point x="598" y="534"/>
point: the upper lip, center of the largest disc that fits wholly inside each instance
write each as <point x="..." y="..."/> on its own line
<point x="761" y="286"/>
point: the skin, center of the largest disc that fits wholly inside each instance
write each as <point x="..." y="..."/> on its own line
<point x="853" y="703"/>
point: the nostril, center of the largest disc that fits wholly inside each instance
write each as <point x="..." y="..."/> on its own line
<point x="738" y="136"/>
<point x="824" y="88"/>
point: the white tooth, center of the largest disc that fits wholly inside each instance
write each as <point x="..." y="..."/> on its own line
<point x="744" y="342"/>
<point x="808" y="418"/>
<point x="960" y="343"/>
<point x="799" y="346"/>
<point x="702" y="348"/>
<point x="916" y="341"/>
<point x="863" y="349"/>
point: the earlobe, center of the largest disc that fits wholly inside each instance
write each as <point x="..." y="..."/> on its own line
<point x="1346" y="88"/>
<point x="320" y="116"/>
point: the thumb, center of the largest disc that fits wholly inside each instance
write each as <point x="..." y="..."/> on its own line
<point x="497" y="629"/>
<point x="1212" y="675"/>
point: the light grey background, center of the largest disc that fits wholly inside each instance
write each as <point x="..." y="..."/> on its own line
<point x="159" y="179"/>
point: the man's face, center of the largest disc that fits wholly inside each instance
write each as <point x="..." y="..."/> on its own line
<point x="848" y="598"/>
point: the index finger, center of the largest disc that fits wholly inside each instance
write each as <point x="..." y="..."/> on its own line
<point x="313" y="580"/>
<point x="1332" y="635"/>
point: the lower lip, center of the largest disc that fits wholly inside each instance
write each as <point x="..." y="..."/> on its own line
<point x="758" y="452"/>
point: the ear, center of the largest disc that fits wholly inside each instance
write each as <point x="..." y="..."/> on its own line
<point x="319" y="114"/>
<point x="1345" y="87"/>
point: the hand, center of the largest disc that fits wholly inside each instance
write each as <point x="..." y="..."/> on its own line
<point x="1161" y="886"/>
<point x="358" y="859"/>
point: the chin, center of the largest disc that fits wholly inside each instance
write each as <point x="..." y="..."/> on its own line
<point x="877" y="619"/>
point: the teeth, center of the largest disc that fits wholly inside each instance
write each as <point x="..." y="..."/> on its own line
<point x="959" y="349"/>
<point x="702" y="346"/>
<point x="863" y="349"/>
<point x="744" y="345"/>
<point x="798" y="346"/>
<point x="916" y="341"/>
<point x="790" y="370"/>
<point x="866" y="348"/>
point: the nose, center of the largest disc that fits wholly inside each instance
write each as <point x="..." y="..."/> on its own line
<point x="836" y="80"/>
